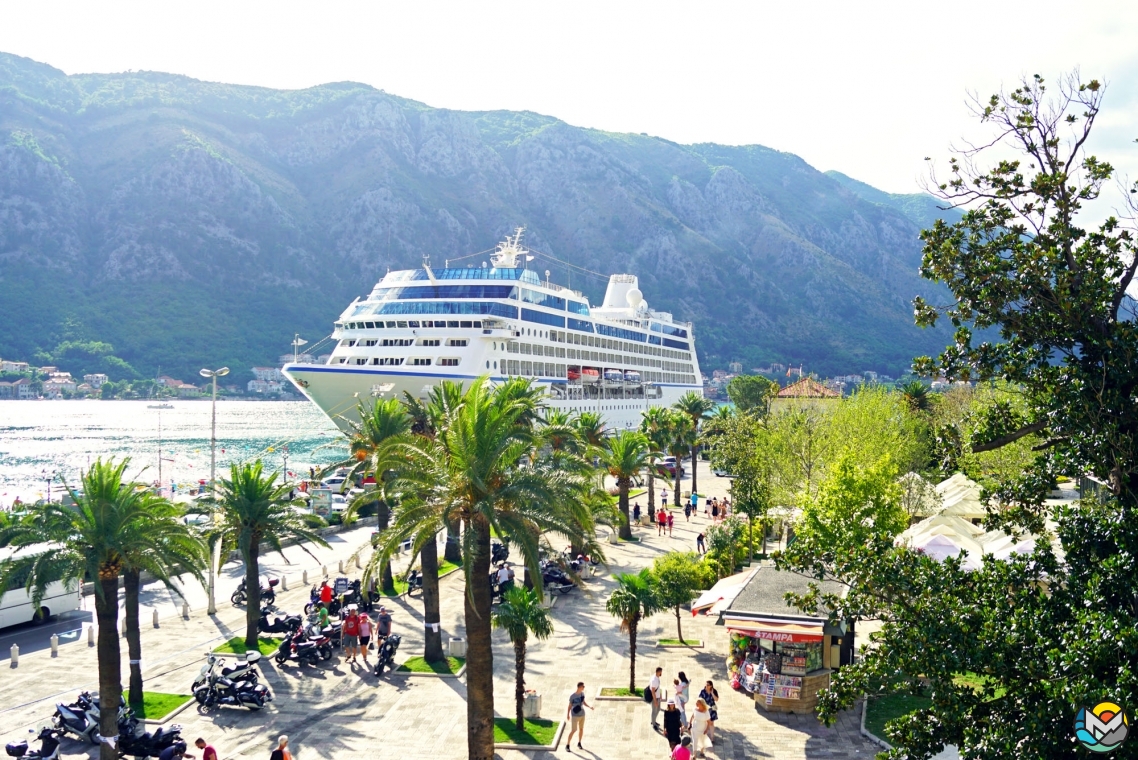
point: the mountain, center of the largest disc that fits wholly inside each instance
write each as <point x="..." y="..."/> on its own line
<point x="182" y="224"/>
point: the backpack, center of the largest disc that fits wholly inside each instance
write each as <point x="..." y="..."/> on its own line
<point x="648" y="694"/>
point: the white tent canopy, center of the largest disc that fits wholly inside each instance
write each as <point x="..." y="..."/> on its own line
<point x="720" y="596"/>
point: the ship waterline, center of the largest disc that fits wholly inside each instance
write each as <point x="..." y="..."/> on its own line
<point x="418" y="328"/>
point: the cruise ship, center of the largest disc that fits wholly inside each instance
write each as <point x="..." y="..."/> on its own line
<point x="419" y="327"/>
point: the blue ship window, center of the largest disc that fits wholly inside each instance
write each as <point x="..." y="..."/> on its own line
<point x="541" y="317"/>
<point x="676" y="344"/>
<point x="542" y="299"/>
<point x="580" y="324"/>
<point x="654" y="340"/>
<point x="448" y="307"/>
<point x="430" y="292"/>
<point x="464" y="273"/>
<point x="579" y="308"/>
<point x="677" y="332"/>
<point x="620" y="332"/>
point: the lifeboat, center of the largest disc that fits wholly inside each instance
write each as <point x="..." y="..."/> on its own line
<point x="590" y="375"/>
<point x="574" y="374"/>
<point x="614" y="375"/>
<point x="631" y="376"/>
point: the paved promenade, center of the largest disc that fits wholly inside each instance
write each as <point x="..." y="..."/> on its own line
<point x="340" y="711"/>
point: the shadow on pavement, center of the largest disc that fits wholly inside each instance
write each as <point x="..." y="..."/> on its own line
<point x="36" y="638"/>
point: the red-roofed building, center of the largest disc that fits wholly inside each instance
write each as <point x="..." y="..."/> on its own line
<point x="808" y="392"/>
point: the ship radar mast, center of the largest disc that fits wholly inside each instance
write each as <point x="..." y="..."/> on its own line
<point x="509" y="251"/>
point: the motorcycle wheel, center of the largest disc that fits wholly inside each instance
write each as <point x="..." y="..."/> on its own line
<point x="281" y="660"/>
<point x="95" y="737"/>
<point x="309" y="608"/>
<point x="238" y="598"/>
<point x="325" y="653"/>
<point x="202" y="696"/>
<point x="566" y="588"/>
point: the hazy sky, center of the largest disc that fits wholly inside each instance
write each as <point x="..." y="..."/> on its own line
<point x="869" y="89"/>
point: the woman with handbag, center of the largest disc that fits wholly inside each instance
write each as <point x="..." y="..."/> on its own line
<point x="709" y="696"/>
<point x="700" y="726"/>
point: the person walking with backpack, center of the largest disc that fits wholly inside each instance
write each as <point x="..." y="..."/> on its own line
<point x="652" y="696"/>
<point x="576" y="716"/>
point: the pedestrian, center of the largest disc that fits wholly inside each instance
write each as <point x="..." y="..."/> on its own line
<point x="326" y="594"/>
<point x="350" y="634"/>
<point x="576" y="715"/>
<point x="715" y="512"/>
<point x="281" y="752"/>
<point x="322" y="617"/>
<point x="707" y="508"/>
<point x="365" y="635"/>
<point x="636" y="513"/>
<point x="683" y="751"/>
<point x="661" y="521"/>
<point x="208" y="752"/>
<point x="710" y="697"/>
<point x="699" y="547"/>
<point x="671" y="522"/>
<point x="694" y="500"/>
<point x="700" y="726"/>
<point x="312" y="473"/>
<point x="683" y="694"/>
<point x="664" y="497"/>
<point x="382" y="625"/>
<point x="175" y="751"/>
<point x="654" y="689"/>
<point x="672" y="724"/>
<point x="505" y="579"/>
<point x="687" y="512"/>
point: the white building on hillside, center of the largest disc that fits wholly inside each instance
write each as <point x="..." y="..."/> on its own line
<point x="268" y="374"/>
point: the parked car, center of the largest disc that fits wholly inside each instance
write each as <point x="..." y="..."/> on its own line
<point x="721" y="472"/>
<point x="336" y="483"/>
<point x="669" y="465"/>
<point x="339" y="503"/>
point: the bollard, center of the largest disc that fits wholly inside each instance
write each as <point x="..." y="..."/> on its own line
<point x="304" y="578"/>
<point x="55" y="645"/>
<point x="341" y="567"/>
<point x="185" y="610"/>
<point x="358" y="565"/>
<point x="324" y="569"/>
<point x="91" y="635"/>
<point x="284" y="583"/>
<point x="15" y="655"/>
<point x="155" y="617"/>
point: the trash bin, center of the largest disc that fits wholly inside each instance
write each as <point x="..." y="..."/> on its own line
<point x="613" y="538"/>
<point x="531" y="705"/>
<point x="458" y="648"/>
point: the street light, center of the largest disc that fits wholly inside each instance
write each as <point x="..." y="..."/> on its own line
<point x="213" y="374"/>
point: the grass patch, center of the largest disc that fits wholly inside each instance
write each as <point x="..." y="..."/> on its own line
<point x="637" y="492"/>
<point x="445" y="569"/>
<point x="976" y="682"/>
<point x="539" y="732"/>
<point x="633" y="540"/>
<point x="156" y="705"/>
<point x="881" y="710"/>
<point x="621" y="692"/>
<point x="678" y="643"/>
<point x="419" y="665"/>
<point x="236" y="645"/>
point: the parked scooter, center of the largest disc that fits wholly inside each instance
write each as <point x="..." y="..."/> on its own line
<point x="219" y="689"/>
<point x="215" y="666"/>
<point x="268" y="595"/>
<point x="499" y="552"/>
<point x="81" y="718"/>
<point x="385" y="657"/>
<point x="333" y="632"/>
<point x="286" y="624"/>
<point x="552" y="576"/>
<point x="414" y="582"/>
<point x="135" y="740"/>
<point x="48" y="750"/>
<point x="298" y="648"/>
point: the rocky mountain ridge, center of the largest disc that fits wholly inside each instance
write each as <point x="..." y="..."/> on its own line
<point x="190" y="223"/>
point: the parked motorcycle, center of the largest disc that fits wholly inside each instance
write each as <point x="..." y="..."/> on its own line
<point x="414" y="582"/>
<point x="300" y="649"/>
<point x="277" y="624"/>
<point x="218" y="689"/>
<point x="268" y="595"/>
<point x="135" y="740"/>
<point x="553" y="576"/>
<point x="385" y="657"/>
<point x="499" y="552"/>
<point x="48" y="750"/>
<point x="81" y="718"/>
<point x="243" y="671"/>
<point x="333" y="632"/>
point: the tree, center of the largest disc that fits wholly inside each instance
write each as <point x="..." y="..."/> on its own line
<point x="916" y="395"/>
<point x="624" y="455"/>
<point x="752" y="393"/>
<point x="1045" y="635"/>
<point x="112" y="521"/>
<point x="681" y="438"/>
<point x="171" y="550"/>
<point x="520" y="614"/>
<point x="853" y="505"/>
<point x="373" y="450"/>
<point x="253" y="509"/>
<point x="722" y="540"/>
<point x="631" y="601"/>
<point x="654" y="425"/>
<point x="677" y="577"/>
<point x="696" y="407"/>
<point x="919" y="497"/>
<point x="477" y="471"/>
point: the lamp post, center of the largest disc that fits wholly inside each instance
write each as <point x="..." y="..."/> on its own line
<point x="213" y="374"/>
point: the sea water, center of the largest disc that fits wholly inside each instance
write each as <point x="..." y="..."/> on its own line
<point x="54" y="441"/>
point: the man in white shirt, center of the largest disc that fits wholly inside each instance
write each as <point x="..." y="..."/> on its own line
<point x="654" y="688"/>
<point x="505" y="579"/>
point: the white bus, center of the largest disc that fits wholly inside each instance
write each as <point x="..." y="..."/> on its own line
<point x="16" y="603"/>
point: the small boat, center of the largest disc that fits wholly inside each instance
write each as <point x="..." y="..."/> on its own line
<point x="159" y="406"/>
<point x="614" y="375"/>
<point x="590" y="375"/>
<point x="574" y="374"/>
<point x="631" y="376"/>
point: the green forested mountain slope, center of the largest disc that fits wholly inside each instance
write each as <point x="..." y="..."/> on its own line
<point x="192" y="224"/>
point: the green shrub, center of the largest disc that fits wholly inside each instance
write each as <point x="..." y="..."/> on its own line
<point x="315" y="521"/>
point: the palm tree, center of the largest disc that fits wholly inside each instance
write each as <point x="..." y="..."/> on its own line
<point x="654" y="425"/>
<point x="916" y="395"/>
<point x="255" y="508"/>
<point x="373" y="451"/>
<point x="624" y="455"/>
<point x="696" y="407"/>
<point x="477" y="471"/>
<point x="174" y="550"/>
<point x="427" y="416"/>
<point x="520" y="614"/>
<point x="681" y="440"/>
<point x="591" y="428"/>
<point x="111" y="524"/>
<point x="631" y="601"/>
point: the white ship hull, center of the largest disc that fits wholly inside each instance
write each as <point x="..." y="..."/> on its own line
<point x="339" y="390"/>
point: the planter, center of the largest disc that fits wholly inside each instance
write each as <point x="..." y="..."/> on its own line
<point x="690" y="644"/>
<point x="537" y="747"/>
<point x="605" y="698"/>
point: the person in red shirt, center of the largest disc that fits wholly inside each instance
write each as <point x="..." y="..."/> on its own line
<point x="350" y="635"/>
<point x="326" y="595"/>
<point x="208" y="752"/>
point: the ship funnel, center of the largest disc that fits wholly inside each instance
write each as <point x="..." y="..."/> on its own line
<point x="620" y="286"/>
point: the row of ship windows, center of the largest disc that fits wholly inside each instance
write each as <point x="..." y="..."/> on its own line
<point x="514" y="347"/>
<point x="415" y="323"/>
<point x="398" y="361"/>
<point x="455" y="342"/>
<point x="594" y="341"/>
<point x="550" y="369"/>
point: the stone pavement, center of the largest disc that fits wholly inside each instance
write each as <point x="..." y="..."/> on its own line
<point x="337" y="710"/>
